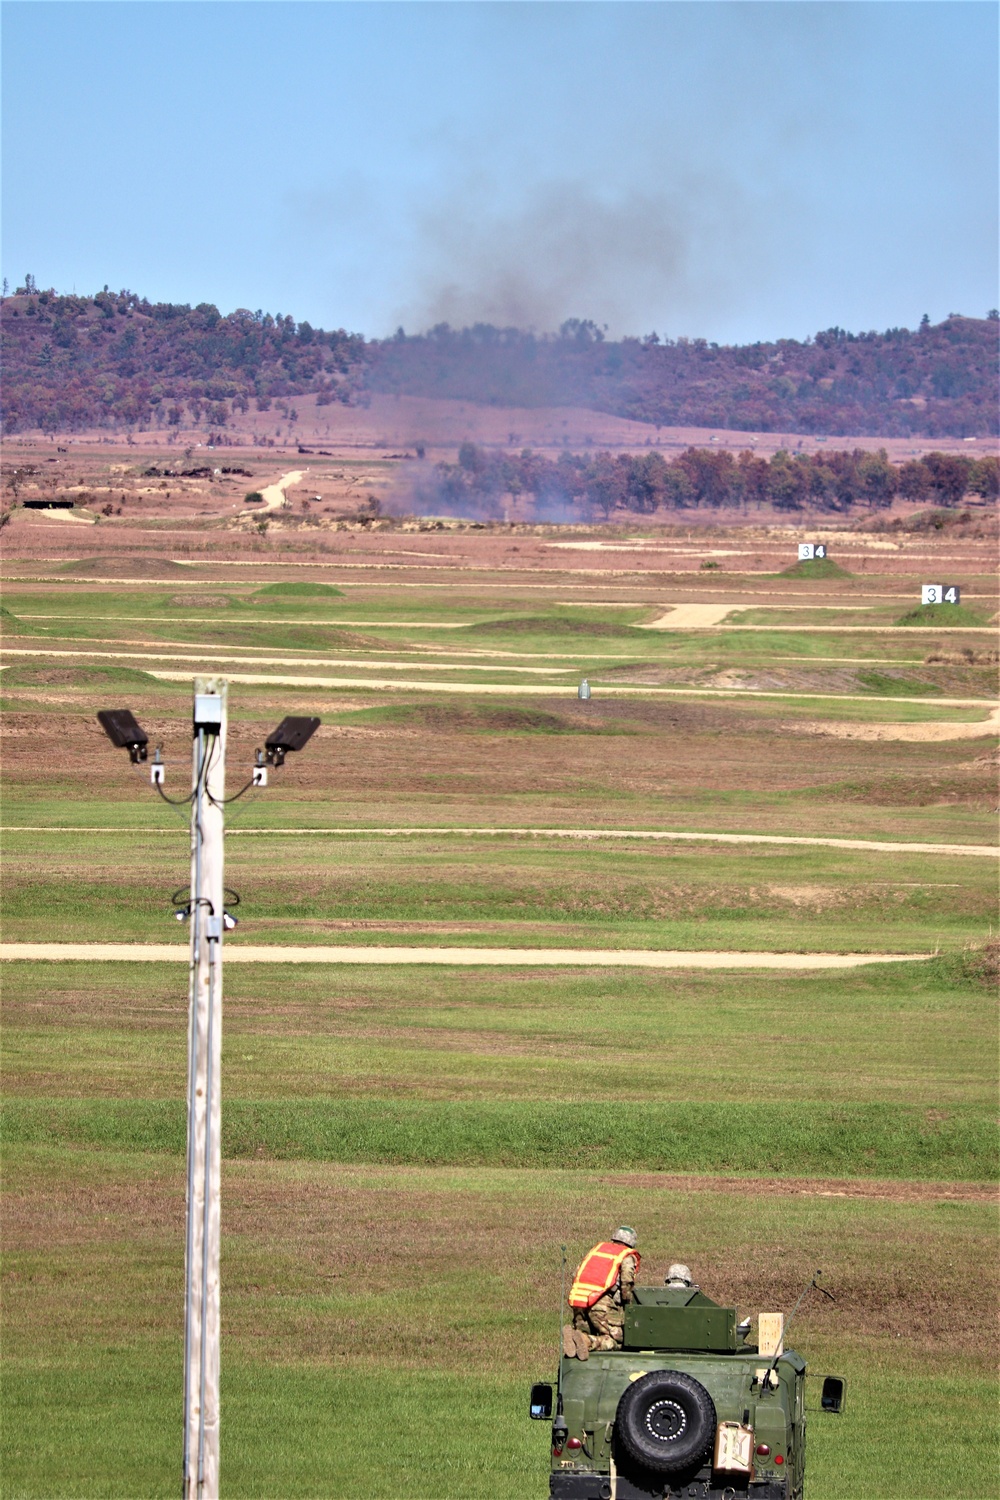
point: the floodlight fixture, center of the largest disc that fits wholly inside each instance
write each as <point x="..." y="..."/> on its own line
<point x="291" y="734"/>
<point x="122" y="729"/>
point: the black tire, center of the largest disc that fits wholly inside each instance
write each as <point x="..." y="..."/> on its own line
<point x="666" y="1422"/>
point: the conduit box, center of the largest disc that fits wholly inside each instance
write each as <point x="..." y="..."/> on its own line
<point x="208" y="712"/>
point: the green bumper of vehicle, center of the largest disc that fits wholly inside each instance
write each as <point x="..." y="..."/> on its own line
<point x="590" y="1486"/>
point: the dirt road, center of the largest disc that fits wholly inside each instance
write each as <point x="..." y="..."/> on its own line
<point x="691" y="616"/>
<point x="608" y="690"/>
<point x="630" y="958"/>
<point x="879" y="846"/>
<point x="274" y="494"/>
<point x="914" y="733"/>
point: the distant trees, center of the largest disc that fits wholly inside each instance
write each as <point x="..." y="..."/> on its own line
<point x="948" y="477"/>
<point x="604" y="483"/>
<point x="984" y="478"/>
<point x="110" y="359"/>
<point x="939" y="380"/>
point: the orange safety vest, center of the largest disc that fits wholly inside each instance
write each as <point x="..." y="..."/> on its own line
<point x="598" y="1272"/>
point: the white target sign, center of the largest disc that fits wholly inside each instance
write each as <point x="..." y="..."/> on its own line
<point x="940" y="593"/>
<point x="812" y="551"/>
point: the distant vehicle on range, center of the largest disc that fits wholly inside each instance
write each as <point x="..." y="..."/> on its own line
<point x="686" y="1407"/>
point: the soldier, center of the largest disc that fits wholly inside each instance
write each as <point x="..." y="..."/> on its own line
<point x="679" y="1275"/>
<point x="601" y="1289"/>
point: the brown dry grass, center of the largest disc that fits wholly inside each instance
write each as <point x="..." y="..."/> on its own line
<point x="450" y="1234"/>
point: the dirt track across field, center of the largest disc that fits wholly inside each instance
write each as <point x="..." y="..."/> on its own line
<point x="902" y="1191"/>
<point x="912" y="732"/>
<point x="879" y="846"/>
<point x="607" y="690"/>
<point x="631" y="958"/>
<point x="274" y="494"/>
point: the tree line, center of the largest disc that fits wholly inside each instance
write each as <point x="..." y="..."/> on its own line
<point x="117" y="360"/>
<point x="485" y="480"/>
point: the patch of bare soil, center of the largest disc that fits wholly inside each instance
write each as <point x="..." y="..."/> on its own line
<point x="199" y="601"/>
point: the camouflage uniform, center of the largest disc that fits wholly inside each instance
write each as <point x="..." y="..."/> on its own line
<point x="603" y="1324"/>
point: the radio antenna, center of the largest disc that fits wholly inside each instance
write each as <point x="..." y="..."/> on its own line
<point x="560" y="1421"/>
<point x="805" y="1292"/>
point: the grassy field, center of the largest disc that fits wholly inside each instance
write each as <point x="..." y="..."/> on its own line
<point x="406" y="1149"/>
<point x="401" y="1363"/>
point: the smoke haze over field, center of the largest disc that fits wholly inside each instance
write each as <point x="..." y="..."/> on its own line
<point x="727" y="170"/>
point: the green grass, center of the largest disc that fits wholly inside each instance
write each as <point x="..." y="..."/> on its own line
<point x="907" y="1036"/>
<point x="883" y="1141"/>
<point x="289" y="1432"/>
<point x="888" y="685"/>
<point x="305" y="1432"/>
<point x="406" y="1149"/>
<point x="618" y="894"/>
<point x="395" y="1358"/>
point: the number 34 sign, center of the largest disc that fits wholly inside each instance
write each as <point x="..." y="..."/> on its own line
<point x="808" y="551"/>
<point x="940" y="593"/>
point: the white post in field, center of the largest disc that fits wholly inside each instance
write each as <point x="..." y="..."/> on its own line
<point x="204" y="1118"/>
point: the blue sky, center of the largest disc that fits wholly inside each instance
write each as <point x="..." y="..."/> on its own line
<point x="731" y="170"/>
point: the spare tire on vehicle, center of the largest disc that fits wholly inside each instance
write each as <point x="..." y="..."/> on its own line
<point x="666" y="1421"/>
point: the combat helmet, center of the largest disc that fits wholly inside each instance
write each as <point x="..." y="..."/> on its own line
<point x="679" y="1274"/>
<point x="623" y="1235"/>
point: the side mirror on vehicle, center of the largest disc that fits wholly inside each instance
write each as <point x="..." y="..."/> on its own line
<point x="833" y="1394"/>
<point x="540" y="1403"/>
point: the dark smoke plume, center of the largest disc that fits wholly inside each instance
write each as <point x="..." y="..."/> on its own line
<point x="567" y="247"/>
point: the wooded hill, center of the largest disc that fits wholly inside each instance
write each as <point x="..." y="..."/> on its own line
<point x="117" y="360"/>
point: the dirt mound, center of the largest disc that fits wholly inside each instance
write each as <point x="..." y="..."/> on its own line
<point x="296" y="590"/>
<point x="485" y="719"/>
<point x="82" y="676"/>
<point x="820" y="567"/>
<point x="940" y="616"/>
<point x="554" y="625"/>
<point x="124" y="567"/>
<point x="965" y="657"/>
<point x="199" y="601"/>
<point x="10" y="624"/>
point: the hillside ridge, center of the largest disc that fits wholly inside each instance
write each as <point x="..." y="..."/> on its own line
<point x="115" y="359"/>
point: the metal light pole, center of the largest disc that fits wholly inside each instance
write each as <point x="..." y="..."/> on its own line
<point x="208" y="918"/>
<point x="204" y="1111"/>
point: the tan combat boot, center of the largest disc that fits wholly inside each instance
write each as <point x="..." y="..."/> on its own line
<point x="582" y="1344"/>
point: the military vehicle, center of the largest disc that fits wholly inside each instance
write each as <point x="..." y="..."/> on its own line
<point x="686" y="1407"/>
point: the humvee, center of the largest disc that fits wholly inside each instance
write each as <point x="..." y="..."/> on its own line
<point x="686" y="1407"/>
